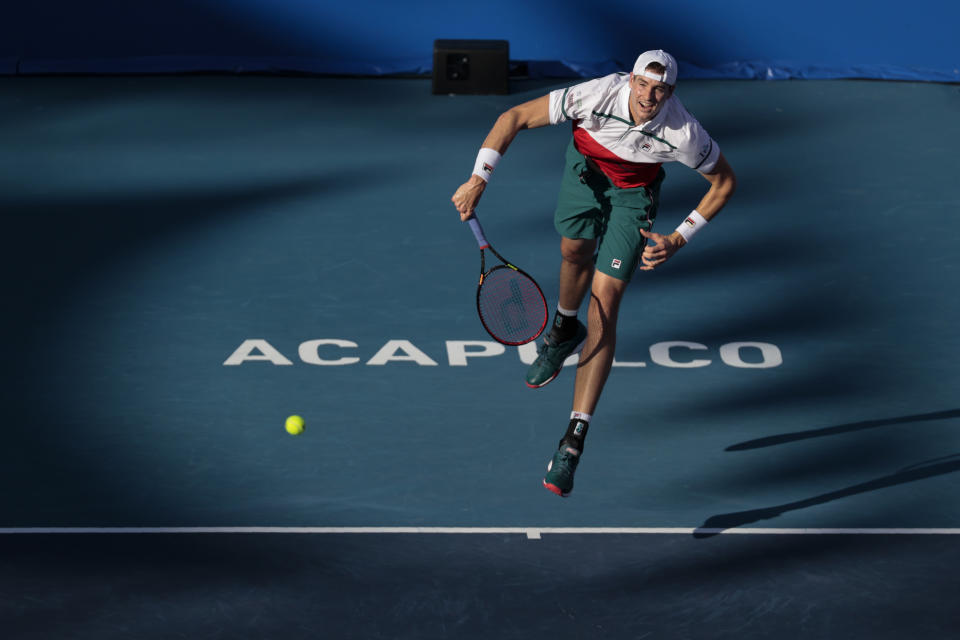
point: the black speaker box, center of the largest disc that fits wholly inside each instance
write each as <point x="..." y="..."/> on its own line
<point x="471" y="66"/>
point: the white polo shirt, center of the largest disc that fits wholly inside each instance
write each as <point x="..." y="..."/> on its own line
<point x="630" y="155"/>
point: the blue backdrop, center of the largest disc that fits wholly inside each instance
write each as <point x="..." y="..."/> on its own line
<point x="732" y="39"/>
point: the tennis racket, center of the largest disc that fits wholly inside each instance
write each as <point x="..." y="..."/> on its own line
<point x="510" y="303"/>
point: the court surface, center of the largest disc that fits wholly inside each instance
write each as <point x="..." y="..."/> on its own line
<point x="189" y="260"/>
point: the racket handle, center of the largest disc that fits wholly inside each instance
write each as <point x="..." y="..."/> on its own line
<point x="478" y="231"/>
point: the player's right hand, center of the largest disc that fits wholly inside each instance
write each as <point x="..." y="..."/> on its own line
<point x="468" y="195"/>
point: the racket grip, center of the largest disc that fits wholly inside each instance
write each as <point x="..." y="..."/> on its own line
<point x="478" y="231"/>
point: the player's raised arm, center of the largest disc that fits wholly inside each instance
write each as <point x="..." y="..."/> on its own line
<point x="529" y="115"/>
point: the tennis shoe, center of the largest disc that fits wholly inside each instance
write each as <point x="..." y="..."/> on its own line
<point x="550" y="358"/>
<point x="559" y="478"/>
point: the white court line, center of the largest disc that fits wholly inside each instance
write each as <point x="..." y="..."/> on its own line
<point x="533" y="533"/>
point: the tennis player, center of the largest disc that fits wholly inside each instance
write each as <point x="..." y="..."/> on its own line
<point x="625" y="126"/>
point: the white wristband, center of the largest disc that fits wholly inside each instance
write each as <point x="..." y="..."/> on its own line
<point x="693" y="223"/>
<point x="487" y="161"/>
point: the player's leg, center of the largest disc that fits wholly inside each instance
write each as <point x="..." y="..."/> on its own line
<point x="576" y="270"/>
<point x="619" y="253"/>
<point x="576" y="273"/>
<point x="580" y="220"/>
<point x="596" y="359"/>
<point x="567" y="333"/>
<point x="617" y="258"/>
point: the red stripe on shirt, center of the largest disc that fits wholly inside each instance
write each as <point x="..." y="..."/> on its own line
<point x="622" y="173"/>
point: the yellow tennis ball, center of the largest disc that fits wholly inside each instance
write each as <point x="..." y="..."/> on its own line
<point x="294" y="425"/>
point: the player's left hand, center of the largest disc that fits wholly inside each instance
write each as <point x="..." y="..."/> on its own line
<point x="660" y="251"/>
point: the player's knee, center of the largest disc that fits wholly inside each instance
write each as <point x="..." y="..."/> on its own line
<point x="607" y="292"/>
<point x="578" y="252"/>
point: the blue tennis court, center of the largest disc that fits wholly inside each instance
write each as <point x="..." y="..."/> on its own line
<point x="192" y="259"/>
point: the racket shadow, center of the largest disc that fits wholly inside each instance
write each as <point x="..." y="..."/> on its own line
<point x="796" y="436"/>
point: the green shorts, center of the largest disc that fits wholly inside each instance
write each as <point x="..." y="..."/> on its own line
<point x="590" y="207"/>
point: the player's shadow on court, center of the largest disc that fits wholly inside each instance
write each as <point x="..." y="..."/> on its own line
<point x="928" y="469"/>
<point x="720" y="523"/>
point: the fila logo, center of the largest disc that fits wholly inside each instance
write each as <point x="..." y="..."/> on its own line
<point x="616" y="263"/>
<point x="690" y="222"/>
<point x="487" y="168"/>
<point x="646" y="146"/>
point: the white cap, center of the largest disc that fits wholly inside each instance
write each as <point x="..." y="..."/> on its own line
<point x="669" y="76"/>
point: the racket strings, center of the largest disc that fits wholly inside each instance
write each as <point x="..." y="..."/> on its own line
<point x="511" y="306"/>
